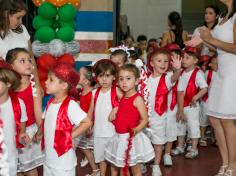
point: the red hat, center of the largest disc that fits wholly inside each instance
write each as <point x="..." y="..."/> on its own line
<point x="172" y="47"/>
<point x="7" y="66"/>
<point x="66" y="73"/>
<point x="204" y="58"/>
<point x="192" y="50"/>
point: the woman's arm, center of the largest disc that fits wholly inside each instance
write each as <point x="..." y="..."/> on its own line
<point x="165" y="39"/>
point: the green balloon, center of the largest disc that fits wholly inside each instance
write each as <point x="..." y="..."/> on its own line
<point x="38" y="22"/>
<point x="66" y="34"/>
<point x="68" y="24"/>
<point x="56" y="24"/>
<point x="45" y="34"/>
<point x="67" y="12"/>
<point x="47" y="10"/>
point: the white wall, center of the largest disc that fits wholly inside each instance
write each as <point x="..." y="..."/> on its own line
<point x="149" y="17"/>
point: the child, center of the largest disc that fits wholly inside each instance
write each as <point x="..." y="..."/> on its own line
<point x="159" y="84"/>
<point x="13" y="115"/>
<point x="119" y="55"/>
<point x="86" y="142"/>
<point x="131" y="119"/>
<point x="191" y="88"/>
<point x="64" y="121"/>
<point x="104" y="101"/>
<point x="171" y="123"/>
<point x="204" y="62"/>
<point x="31" y="156"/>
<point x="209" y="76"/>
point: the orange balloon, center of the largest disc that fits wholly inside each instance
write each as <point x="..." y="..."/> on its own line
<point x="57" y="3"/>
<point x="75" y="3"/>
<point x="38" y="2"/>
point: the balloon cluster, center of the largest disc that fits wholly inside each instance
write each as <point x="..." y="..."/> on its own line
<point x="58" y="3"/>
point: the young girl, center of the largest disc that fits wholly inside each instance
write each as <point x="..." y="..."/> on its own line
<point x="105" y="99"/>
<point x="64" y="121"/>
<point x="31" y="156"/>
<point x="131" y="119"/>
<point x="13" y="115"/>
<point x="159" y="84"/>
<point x="204" y="122"/>
<point x="86" y="142"/>
<point x="119" y="55"/>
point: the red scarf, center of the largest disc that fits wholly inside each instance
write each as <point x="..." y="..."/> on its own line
<point x="209" y="78"/>
<point x="191" y="88"/>
<point x="114" y="98"/>
<point x="17" y="116"/>
<point x="161" y="96"/>
<point x="63" y="131"/>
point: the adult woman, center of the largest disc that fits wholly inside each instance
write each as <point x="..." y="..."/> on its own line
<point x="176" y="34"/>
<point x="211" y="16"/>
<point x="222" y="95"/>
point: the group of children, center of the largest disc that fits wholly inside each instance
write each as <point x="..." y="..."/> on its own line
<point x="114" y="120"/>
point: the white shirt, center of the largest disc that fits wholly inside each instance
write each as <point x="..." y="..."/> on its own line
<point x="68" y="160"/>
<point x="14" y="40"/>
<point x="102" y="126"/>
<point x="9" y="128"/>
<point x="152" y="86"/>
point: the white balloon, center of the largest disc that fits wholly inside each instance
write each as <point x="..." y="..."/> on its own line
<point x="57" y="48"/>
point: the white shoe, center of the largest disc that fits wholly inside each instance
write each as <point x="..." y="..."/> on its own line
<point x="189" y="148"/>
<point x="156" y="171"/>
<point x="177" y="151"/>
<point x="167" y="160"/>
<point x="83" y="162"/>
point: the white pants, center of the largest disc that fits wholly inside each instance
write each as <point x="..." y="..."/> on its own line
<point x="48" y="171"/>
<point x="158" y="130"/>
<point x="100" y="144"/>
<point x="171" y="125"/>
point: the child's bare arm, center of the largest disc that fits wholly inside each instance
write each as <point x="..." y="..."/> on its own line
<point x="180" y="102"/>
<point x="84" y="125"/>
<point x="139" y="103"/>
<point x="176" y="64"/>
<point x="198" y="96"/>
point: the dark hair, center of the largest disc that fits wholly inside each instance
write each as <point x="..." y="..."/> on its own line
<point x="159" y="51"/>
<point x="232" y="12"/>
<point x="134" y="55"/>
<point x="121" y="53"/>
<point x="141" y="38"/>
<point x="175" y="19"/>
<point x="217" y="12"/>
<point x="129" y="36"/>
<point x="104" y="66"/>
<point x="7" y="8"/>
<point x="8" y="76"/>
<point x="89" y="75"/>
<point x="131" y="68"/>
<point x="12" y="54"/>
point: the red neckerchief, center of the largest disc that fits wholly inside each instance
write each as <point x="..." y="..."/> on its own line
<point x="209" y="78"/>
<point x="191" y="88"/>
<point x="17" y="116"/>
<point x="63" y="131"/>
<point x="161" y="98"/>
<point x="114" y="98"/>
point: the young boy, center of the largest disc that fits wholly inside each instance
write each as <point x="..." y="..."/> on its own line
<point x="64" y="121"/>
<point x="191" y="88"/>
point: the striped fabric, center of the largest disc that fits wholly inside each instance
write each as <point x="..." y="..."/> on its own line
<point x="94" y="30"/>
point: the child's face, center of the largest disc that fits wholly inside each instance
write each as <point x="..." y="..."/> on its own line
<point x="23" y="64"/>
<point x="82" y="78"/>
<point x="127" y="80"/>
<point x="16" y="19"/>
<point x="142" y="45"/>
<point x="105" y="79"/>
<point x="4" y="88"/>
<point x="54" y="85"/>
<point x="213" y="64"/>
<point x="118" y="60"/>
<point x="188" y="61"/>
<point x="160" y="63"/>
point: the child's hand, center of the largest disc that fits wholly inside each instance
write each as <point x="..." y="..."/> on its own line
<point x="112" y="115"/>
<point x="24" y="139"/>
<point x="38" y="136"/>
<point x="135" y="131"/>
<point x="89" y="133"/>
<point x="180" y="115"/>
<point x="176" y="62"/>
<point x="193" y="103"/>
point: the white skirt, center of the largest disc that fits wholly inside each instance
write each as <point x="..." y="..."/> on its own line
<point x="30" y="156"/>
<point x="86" y="142"/>
<point x="141" y="151"/>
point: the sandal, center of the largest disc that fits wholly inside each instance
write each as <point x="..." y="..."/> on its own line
<point x="96" y="172"/>
<point x="230" y="172"/>
<point x="202" y="142"/>
<point x="222" y="170"/>
<point x="191" y="154"/>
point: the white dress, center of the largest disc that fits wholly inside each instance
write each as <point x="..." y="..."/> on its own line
<point x="222" y="96"/>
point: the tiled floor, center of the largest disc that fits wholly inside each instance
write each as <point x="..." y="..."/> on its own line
<point x="205" y="165"/>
